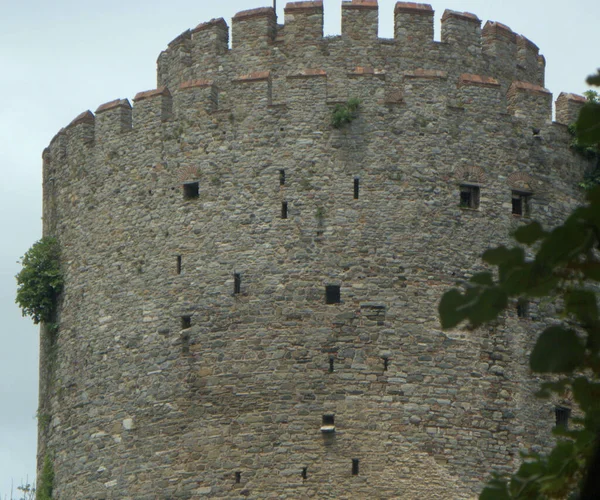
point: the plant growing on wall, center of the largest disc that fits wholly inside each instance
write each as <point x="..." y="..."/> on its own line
<point x="40" y="281"/>
<point x="585" y="134"/>
<point x="46" y="480"/>
<point x="344" y="113"/>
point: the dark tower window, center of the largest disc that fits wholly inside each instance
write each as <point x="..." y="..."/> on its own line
<point x="356" y="187"/>
<point x="386" y="364"/>
<point x="304" y="472"/>
<point x="284" y="210"/>
<point x="186" y="322"/>
<point x="355" y="466"/>
<point x="331" y="364"/>
<point x="282" y="177"/>
<point x="469" y="196"/>
<point x="238" y="477"/>
<point x="332" y="294"/>
<point x="562" y="415"/>
<point x="328" y="419"/>
<point x="237" y="283"/>
<point x="521" y="203"/>
<point x="179" y="264"/>
<point x="191" y="190"/>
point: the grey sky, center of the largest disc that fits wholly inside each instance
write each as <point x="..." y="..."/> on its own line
<point x="62" y="57"/>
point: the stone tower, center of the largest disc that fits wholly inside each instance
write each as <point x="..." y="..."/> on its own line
<point x="250" y="303"/>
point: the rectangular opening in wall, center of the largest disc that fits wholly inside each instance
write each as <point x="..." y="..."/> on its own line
<point x="332" y="294"/>
<point x="186" y="322"/>
<point x="237" y="283"/>
<point x="355" y="466"/>
<point x="178" y="264"/>
<point x="304" y="472"/>
<point x="238" y="477"/>
<point x="356" y="187"/>
<point x="562" y="415"/>
<point x="386" y="364"/>
<point x="521" y="203"/>
<point x="282" y="177"/>
<point x="284" y="209"/>
<point x="331" y="364"/>
<point x="328" y="424"/>
<point x="469" y="196"/>
<point x="191" y="190"/>
<point x="522" y="308"/>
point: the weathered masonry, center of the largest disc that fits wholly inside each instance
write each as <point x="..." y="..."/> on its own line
<point x="250" y="307"/>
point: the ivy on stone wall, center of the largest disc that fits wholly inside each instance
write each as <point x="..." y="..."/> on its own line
<point x="40" y="281"/>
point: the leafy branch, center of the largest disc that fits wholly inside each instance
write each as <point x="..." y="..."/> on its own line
<point x="345" y="113"/>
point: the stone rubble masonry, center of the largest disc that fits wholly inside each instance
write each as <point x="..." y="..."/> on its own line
<point x="195" y="340"/>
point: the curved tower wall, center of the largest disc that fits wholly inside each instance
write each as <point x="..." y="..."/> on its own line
<point x="167" y="380"/>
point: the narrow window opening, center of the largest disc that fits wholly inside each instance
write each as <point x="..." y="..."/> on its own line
<point x="237" y="283"/>
<point x="331" y="364"/>
<point x="185" y="343"/>
<point x="179" y="264"/>
<point x="191" y="190"/>
<point x="562" y="415"/>
<point x="332" y="294"/>
<point x="186" y="322"/>
<point x="284" y="209"/>
<point x="386" y="364"/>
<point x="328" y="424"/>
<point x="355" y="466"/>
<point x="282" y="177"/>
<point x="328" y="419"/>
<point x="356" y="187"/>
<point x="522" y="309"/>
<point x="521" y="203"/>
<point x="304" y="472"/>
<point x="469" y="196"/>
<point x="238" y="477"/>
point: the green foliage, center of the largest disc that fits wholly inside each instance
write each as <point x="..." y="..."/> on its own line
<point x="565" y="270"/>
<point x="345" y="113"/>
<point x="40" y="281"/>
<point x="46" y="480"/>
<point x="586" y="133"/>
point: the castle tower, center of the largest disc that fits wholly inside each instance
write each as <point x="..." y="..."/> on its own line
<point x="250" y="303"/>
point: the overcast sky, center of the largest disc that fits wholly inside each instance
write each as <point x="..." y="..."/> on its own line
<point x="61" y="57"/>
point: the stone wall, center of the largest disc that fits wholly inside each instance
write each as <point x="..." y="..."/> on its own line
<point x="195" y="339"/>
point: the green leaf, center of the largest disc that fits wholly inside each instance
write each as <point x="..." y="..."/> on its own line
<point x="489" y="303"/>
<point x="530" y="233"/>
<point x="451" y="309"/>
<point x="582" y="304"/>
<point x="485" y="279"/>
<point x="565" y="243"/>
<point x="502" y="255"/>
<point x="594" y="79"/>
<point x="495" y="489"/>
<point x="588" y="124"/>
<point x="557" y="350"/>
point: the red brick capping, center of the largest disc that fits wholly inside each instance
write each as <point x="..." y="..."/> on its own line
<point x="366" y="70"/>
<point x="253" y="77"/>
<point x="472" y="173"/>
<point x="528" y="87"/>
<point x="308" y="73"/>
<point x="572" y="97"/>
<point x="360" y="4"/>
<point x="413" y="8"/>
<point x="260" y="12"/>
<point x="209" y="24"/>
<point x="194" y="84"/>
<point x="526" y="43"/>
<point x="464" y="16"/>
<point x="426" y="73"/>
<point x="148" y="94"/>
<point x="479" y="80"/>
<point x="303" y="6"/>
<point x="117" y="103"/>
<point x="500" y="30"/>
<point x="186" y="35"/>
<point x="520" y="180"/>
<point x="85" y="117"/>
